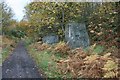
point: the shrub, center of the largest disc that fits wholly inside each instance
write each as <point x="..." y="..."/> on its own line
<point x="81" y="64"/>
<point x="62" y="48"/>
<point x="7" y="42"/>
<point x="7" y="45"/>
<point x="28" y="40"/>
<point x="42" y="47"/>
<point x="111" y="69"/>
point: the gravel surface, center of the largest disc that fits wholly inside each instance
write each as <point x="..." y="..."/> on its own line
<point x="20" y="65"/>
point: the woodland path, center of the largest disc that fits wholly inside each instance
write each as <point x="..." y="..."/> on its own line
<point x="20" y="64"/>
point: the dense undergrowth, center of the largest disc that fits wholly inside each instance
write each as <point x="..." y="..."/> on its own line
<point x="8" y="44"/>
<point x="59" y="60"/>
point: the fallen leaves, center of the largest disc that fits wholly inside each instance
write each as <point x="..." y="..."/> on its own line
<point x="85" y="64"/>
<point x="80" y="64"/>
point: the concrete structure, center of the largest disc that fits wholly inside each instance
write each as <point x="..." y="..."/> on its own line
<point x="50" y="39"/>
<point x="76" y="35"/>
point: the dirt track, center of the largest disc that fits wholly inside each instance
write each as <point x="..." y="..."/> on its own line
<point x="20" y="65"/>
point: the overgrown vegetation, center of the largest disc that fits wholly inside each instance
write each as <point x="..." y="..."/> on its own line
<point x="101" y="19"/>
<point x="45" y="60"/>
<point x="77" y="63"/>
<point x="8" y="40"/>
<point x="8" y="45"/>
<point x="99" y="60"/>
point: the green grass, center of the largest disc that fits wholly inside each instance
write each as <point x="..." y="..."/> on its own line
<point x="44" y="61"/>
<point x="28" y="41"/>
<point x="5" y="53"/>
<point x="99" y="49"/>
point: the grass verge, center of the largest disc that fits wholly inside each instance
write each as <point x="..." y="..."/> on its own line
<point x="7" y="47"/>
<point x="76" y="63"/>
<point x="45" y="61"/>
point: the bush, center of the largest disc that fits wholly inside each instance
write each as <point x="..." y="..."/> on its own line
<point x="42" y="47"/>
<point x="8" y="45"/>
<point x="93" y="62"/>
<point x="28" y="40"/>
<point x="86" y="65"/>
<point x="62" y="48"/>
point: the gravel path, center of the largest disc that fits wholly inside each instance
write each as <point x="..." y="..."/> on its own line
<point x="20" y="65"/>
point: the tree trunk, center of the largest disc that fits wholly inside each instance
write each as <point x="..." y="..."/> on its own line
<point x="63" y="21"/>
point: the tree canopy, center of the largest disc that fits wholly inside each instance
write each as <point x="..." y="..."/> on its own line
<point x="101" y="18"/>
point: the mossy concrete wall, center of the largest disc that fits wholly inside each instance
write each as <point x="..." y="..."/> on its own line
<point x="76" y="35"/>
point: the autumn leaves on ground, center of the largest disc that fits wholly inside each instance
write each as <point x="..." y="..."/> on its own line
<point x="7" y="47"/>
<point x="58" y="60"/>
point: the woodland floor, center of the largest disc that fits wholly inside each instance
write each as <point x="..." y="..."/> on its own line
<point x="20" y="64"/>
